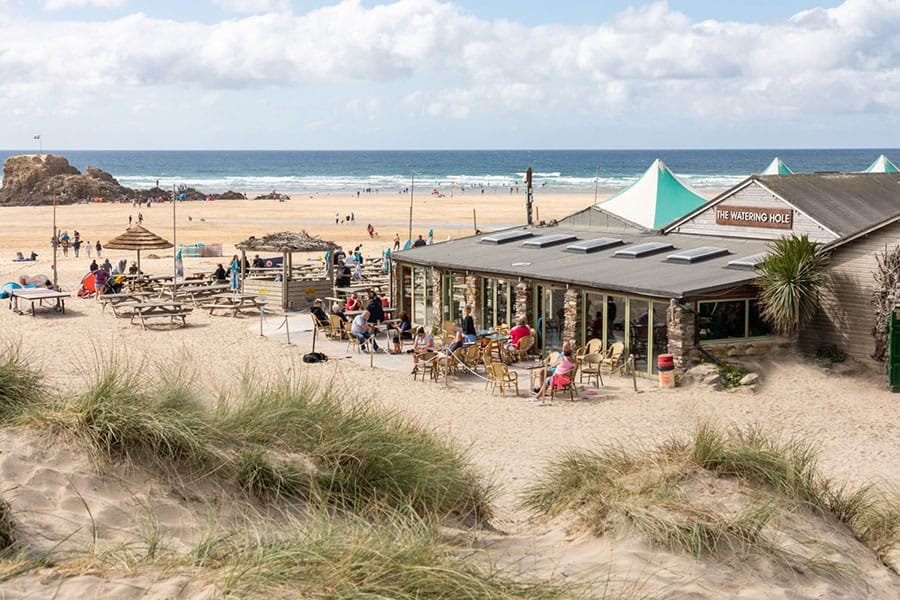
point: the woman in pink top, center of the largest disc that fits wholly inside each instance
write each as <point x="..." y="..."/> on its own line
<point x="562" y="374"/>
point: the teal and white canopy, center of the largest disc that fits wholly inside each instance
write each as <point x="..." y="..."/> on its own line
<point x="657" y="198"/>
<point x="882" y="165"/>
<point x="777" y="167"/>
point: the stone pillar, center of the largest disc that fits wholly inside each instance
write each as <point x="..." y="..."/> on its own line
<point x="397" y="286"/>
<point x="473" y="299"/>
<point x="437" y="297"/>
<point x="571" y="314"/>
<point x="523" y="301"/>
<point x="681" y="335"/>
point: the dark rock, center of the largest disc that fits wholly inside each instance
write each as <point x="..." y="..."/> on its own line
<point x="41" y="178"/>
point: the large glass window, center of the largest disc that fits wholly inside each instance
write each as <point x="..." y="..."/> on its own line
<point x="498" y="302"/>
<point x="593" y="317"/>
<point x="639" y="332"/>
<point x="454" y="296"/>
<point x="422" y="300"/>
<point x="615" y="319"/>
<point x="726" y="319"/>
<point x="659" y="333"/>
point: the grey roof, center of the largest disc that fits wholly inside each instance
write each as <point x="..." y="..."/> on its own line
<point x="650" y="275"/>
<point x="845" y="203"/>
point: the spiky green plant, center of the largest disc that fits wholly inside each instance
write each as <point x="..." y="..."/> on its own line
<point x="791" y="279"/>
<point x="21" y="385"/>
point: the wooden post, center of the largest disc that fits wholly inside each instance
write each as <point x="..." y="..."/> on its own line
<point x="474" y="222"/>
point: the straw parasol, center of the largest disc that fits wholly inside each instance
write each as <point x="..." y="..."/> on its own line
<point x="138" y="238"/>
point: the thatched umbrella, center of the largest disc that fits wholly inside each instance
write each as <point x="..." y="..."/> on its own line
<point x="138" y="238"/>
<point x="285" y="242"/>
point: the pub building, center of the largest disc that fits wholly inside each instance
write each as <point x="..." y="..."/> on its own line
<point x="614" y="272"/>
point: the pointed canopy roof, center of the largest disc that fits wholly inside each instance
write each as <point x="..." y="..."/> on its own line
<point x="882" y="164"/>
<point x="657" y="198"/>
<point x="137" y="238"/>
<point x="777" y="167"/>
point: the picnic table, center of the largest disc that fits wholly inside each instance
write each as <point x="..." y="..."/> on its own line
<point x="160" y="309"/>
<point x="194" y="292"/>
<point x="122" y="300"/>
<point x="236" y="303"/>
<point x="38" y="295"/>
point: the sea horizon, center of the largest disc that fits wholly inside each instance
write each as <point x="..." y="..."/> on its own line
<point x="449" y="171"/>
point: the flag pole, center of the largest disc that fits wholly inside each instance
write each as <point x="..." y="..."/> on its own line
<point x="174" y="245"/>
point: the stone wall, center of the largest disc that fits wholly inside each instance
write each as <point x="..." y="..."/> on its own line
<point x="473" y="299"/>
<point x="437" y="298"/>
<point x="681" y="335"/>
<point x="523" y="301"/>
<point x="572" y="313"/>
<point x="725" y="350"/>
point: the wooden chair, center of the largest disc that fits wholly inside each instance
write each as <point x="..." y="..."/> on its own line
<point x="472" y="357"/>
<point x="352" y="340"/>
<point x="522" y="350"/>
<point x="450" y="364"/>
<point x="569" y="387"/>
<point x="593" y="345"/>
<point x="335" y="329"/>
<point x="500" y="376"/>
<point x="613" y="358"/>
<point x="590" y="368"/>
<point x="428" y="364"/>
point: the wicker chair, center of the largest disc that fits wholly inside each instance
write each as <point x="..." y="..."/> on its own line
<point x="500" y="376"/>
<point x="521" y="351"/>
<point x="590" y="368"/>
<point x="569" y="387"/>
<point x="613" y="358"/>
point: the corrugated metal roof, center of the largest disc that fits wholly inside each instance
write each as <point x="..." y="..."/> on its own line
<point x="650" y="275"/>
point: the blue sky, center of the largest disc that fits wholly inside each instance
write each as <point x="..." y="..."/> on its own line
<point x="360" y="74"/>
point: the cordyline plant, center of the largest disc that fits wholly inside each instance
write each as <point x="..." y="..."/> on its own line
<point x="884" y="295"/>
<point x="790" y="279"/>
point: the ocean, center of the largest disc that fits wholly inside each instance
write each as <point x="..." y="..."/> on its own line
<point x="301" y="172"/>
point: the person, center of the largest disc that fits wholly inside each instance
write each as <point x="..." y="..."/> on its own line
<point x="101" y="277"/>
<point x="336" y="309"/>
<point x="396" y="241"/>
<point x="33" y="255"/>
<point x="76" y="246"/>
<point x="99" y="248"/>
<point x="517" y="333"/>
<point x="120" y="267"/>
<point x="419" y="242"/>
<point x="93" y="266"/>
<point x="339" y="256"/>
<point x="363" y="331"/>
<point x="133" y="269"/>
<point x="430" y="237"/>
<point x="421" y="344"/>
<point x="319" y="314"/>
<point x="375" y="308"/>
<point x="400" y="331"/>
<point x="140" y="217"/>
<point x="458" y="341"/>
<point x="370" y="230"/>
<point x="258" y="263"/>
<point x="88" y="248"/>
<point x="107" y="266"/>
<point x="129" y="220"/>
<point x="220" y="274"/>
<point x="353" y="303"/>
<point x="469" y="332"/>
<point x="235" y="271"/>
<point x="343" y="278"/>
<point x="560" y="376"/>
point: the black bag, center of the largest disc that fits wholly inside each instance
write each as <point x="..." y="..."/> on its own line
<point x="314" y="357"/>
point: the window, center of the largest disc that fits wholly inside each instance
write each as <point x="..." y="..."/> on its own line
<point x="729" y="319"/>
<point x="422" y="299"/>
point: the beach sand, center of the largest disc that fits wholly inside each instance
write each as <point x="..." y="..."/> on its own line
<point x="852" y="418"/>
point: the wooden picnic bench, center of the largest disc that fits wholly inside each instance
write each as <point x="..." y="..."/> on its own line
<point x="121" y="302"/>
<point x="160" y="309"/>
<point x="236" y="304"/>
<point x="194" y="293"/>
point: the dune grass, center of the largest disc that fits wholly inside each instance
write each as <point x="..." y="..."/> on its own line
<point x="362" y="454"/>
<point x="21" y="385"/>
<point x="612" y="487"/>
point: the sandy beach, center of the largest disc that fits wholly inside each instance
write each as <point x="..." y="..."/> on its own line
<point x="852" y="418"/>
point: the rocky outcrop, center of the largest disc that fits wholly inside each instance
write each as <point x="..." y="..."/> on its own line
<point x="41" y="178"/>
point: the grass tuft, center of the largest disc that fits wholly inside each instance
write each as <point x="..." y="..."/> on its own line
<point x="21" y="385"/>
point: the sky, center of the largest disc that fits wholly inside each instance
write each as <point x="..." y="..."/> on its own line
<point x="463" y="74"/>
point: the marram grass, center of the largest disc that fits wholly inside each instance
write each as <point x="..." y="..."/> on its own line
<point x="21" y="384"/>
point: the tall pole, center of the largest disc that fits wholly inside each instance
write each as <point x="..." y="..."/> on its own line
<point x="529" y="199"/>
<point x="55" y="242"/>
<point x="412" y="189"/>
<point x="174" y="245"/>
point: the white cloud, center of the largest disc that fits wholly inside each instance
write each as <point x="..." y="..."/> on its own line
<point x="843" y="60"/>
<point x="253" y="6"/>
<point x="61" y="4"/>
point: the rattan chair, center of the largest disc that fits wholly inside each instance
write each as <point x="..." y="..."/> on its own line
<point x="500" y="376"/>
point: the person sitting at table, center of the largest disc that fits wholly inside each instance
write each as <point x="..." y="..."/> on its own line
<point x="561" y="375"/>
<point x="468" y="328"/>
<point x="220" y="275"/>
<point x="399" y="331"/>
<point x="421" y="344"/>
<point x="258" y="263"/>
<point x="337" y="309"/>
<point x="458" y="340"/>
<point x="133" y="269"/>
<point x="375" y="308"/>
<point x="319" y="314"/>
<point x="517" y="333"/>
<point x="353" y="303"/>
<point x="364" y="331"/>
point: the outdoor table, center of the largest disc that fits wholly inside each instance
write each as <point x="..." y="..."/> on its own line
<point x="122" y="299"/>
<point x="534" y="368"/>
<point x="237" y="304"/>
<point x="195" y="292"/>
<point x="164" y="309"/>
<point x="38" y="295"/>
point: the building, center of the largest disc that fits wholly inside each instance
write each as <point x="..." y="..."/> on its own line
<point x="683" y="289"/>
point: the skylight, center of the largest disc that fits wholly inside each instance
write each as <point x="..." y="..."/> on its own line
<point x="641" y="250"/>
<point x="504" y="237"/>
<point x="549" y="240"/>
<point x="695" y="255"/>
<point x="594" y="245"/>
<point x="747" y="262"/>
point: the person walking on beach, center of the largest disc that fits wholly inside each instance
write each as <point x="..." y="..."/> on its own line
<point x="140" y="218"/>
<point x="337" y="218"/>
<point x="88" y="248"/>
<point x="396" y="241"/>
<point x="98" y="248"/>
<point x="76" y="246"/>
<point x="129" y="220"/>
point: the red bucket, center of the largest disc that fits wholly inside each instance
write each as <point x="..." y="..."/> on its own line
<point x="665" y="362"/>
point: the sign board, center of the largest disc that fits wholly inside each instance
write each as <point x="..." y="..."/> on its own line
<point x="754" y="216"/>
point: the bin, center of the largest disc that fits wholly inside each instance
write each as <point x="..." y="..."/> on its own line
<point x="665" y="365"/>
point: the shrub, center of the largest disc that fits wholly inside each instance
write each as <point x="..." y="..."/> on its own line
<point x="830" y="354"/>
<point x="21" y="385"/>
<point x="730" y="375"/>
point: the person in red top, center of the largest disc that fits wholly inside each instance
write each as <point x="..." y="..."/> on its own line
<point x="561" y="375"/>
<point x="353" y="303"/>
<point x="518" y="332"/>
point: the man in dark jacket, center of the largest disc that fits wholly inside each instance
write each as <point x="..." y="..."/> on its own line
<point x="375" y="308"/>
